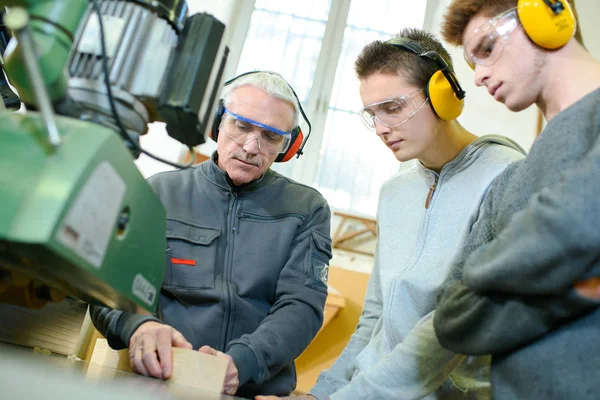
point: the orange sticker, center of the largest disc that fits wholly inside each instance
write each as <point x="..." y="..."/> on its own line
<point x="183" y="261"/>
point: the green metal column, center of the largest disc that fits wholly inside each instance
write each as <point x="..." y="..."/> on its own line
<point x="53" y="24"/>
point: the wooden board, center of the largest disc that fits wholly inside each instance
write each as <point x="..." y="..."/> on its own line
<point x="54" y="327"/>
<point x="190" y="367"/>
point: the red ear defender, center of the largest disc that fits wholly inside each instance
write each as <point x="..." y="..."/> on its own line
<point x="297" y="139"/>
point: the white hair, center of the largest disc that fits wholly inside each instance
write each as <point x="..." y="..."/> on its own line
<point x="271" y="82"/>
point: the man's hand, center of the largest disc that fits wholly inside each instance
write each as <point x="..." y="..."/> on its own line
<point x="589" y="288"/>
<point x="231" y="377"/>
<point x="150" y="349"/>
<point x="305" y="397"/>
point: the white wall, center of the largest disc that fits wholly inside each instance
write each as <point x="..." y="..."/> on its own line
<point x="589" y="12"/>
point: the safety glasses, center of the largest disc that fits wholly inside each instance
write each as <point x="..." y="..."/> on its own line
<point x="392" y="112"/>
<point x="242" y="130"/>
<point x="488" y="41"/>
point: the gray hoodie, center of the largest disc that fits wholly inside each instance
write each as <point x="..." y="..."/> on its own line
<point x="393" y="352"/>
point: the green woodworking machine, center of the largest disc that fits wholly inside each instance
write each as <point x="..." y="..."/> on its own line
<point x="76" y="216"/>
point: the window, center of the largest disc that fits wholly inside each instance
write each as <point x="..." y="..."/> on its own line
<point x="313" y="44"/>
<point x="286" y="37"/>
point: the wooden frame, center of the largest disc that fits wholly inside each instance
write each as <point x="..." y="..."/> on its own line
<point x="340" y="239"/>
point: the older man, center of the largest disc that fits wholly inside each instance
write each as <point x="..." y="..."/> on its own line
<point x="247" y="251"/>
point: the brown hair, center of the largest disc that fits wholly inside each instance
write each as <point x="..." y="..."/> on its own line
<point x="461" y="12"/>
<point x="381" y="57"/>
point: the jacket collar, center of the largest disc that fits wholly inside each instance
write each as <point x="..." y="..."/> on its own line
<point x="467" y="155"/>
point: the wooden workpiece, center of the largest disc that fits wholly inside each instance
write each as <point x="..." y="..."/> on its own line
<point x="190" y="367"/>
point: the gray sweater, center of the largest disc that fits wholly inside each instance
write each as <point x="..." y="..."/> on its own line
<point x="246" y="271"/>
<point x="510" y="291"/>
<point x="393" y="354"/>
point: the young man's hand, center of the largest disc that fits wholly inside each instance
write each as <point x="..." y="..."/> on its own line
<point x="150" y="349"/>
<point x="589" y="288"/>
<point x="231" y="377"/>
<point x="305" y="397"/>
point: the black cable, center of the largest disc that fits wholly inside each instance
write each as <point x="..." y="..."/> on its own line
<point x="122" y="130"/>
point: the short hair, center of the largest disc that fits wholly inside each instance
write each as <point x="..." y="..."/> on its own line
<point x="382" y="57"/>
<point x="270" y="82"/>
<point x="461" y="12"/>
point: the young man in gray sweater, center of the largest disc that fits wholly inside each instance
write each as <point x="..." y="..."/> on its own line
<point x="524" y="287"/>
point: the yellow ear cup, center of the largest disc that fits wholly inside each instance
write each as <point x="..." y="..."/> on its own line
<point x="544" y="28"/>
<point x="443" y="98"/>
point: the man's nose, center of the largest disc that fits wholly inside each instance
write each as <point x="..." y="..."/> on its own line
<point x="482" y="73"/>
<point x="252" y="146"/>
<point x="381" y="129"/>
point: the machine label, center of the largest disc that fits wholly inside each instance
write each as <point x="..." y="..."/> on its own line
<point x="91" y="220"/>
<point x="143" y="289"/>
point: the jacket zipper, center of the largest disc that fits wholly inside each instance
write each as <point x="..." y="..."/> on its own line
<point x="421" y="243"/>
<point x="227" y="271"/>
<point x="431" y="191"/>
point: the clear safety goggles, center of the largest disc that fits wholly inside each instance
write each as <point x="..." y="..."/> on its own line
<point x="488" y="41"/>
<point x="243" y="130"/>
<point x="393" y="112"/>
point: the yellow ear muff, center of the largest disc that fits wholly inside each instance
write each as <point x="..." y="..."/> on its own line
<point x="545" y="28"/>
<point x="443" y="99"/>
<point x="443" y="90"/>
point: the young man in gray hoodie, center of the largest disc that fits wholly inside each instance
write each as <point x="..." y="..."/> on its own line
<point x="411" y="100"/>
<point x="524" y="287"/>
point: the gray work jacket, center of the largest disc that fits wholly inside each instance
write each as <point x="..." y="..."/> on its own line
<point x="246" y="271"/>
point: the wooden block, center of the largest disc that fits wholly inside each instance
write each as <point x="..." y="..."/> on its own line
<point x="199" y="370"/>
<point x="190" y="367"/>
<point x="107" y="357"/>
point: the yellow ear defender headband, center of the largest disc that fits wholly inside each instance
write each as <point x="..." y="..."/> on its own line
<point x="444" y="92"/>
<point x="550" y="24"/>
